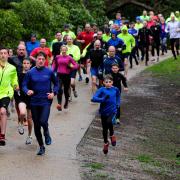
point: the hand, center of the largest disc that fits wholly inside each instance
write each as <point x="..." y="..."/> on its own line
<point x="119" y="49"/>
<point x="30" y="93"/>
<point x="126" y="90"/>
<point x="83" y="41"/>
<point x="70" y="65"/>
<point x="16" y="88"/>
<point x="50" y="95"/>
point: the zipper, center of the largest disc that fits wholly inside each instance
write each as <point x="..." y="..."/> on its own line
<point x="2" y="75"/>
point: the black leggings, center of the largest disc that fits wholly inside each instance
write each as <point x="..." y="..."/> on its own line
<point x="145" y="51"/>
<point x="107" y="125"/>
<point x="64" y="81"/>
<point x="174" y="42"/>
<point x="133" y="55"/>
<point x="40" y="116"/>
<point x="155" y="45"/>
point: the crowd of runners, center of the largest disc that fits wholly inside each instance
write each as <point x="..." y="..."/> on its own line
<point x="37" y="73"/>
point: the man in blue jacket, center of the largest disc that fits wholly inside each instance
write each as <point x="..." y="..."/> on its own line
<point x="38" y="85"/>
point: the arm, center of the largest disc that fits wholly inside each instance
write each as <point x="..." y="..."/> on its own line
<point x="33" y="53"/>
<point x="55" y="83"/>
<point x="133" y="42"/>
<point x="73" y="63"/>
<point x="14" y="79"/>
<point x="124" y="81"/>
<point x="117" y="97"/>
<point x="25" y="83"/>
<point x="98" y="96"/>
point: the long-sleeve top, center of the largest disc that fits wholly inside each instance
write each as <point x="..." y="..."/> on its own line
<point x="143" y="36"/>
<point x="62" y="64"/>
<point x="74" y="51"/>
<point x="174" y="29"/>
<point x="8" y="80"/>
<point x="118" y="78"/>
<point x="109" y="61"/>
<point x="156" y="33"/>
<point x="129" y="41"/>
<point x="40" y="81"/>
<point x="109" y="99"/>
<point x="96" y="56"/>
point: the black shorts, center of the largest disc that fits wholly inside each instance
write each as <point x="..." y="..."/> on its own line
<point x="4" y="102"/>
<point x="22" y="99"/>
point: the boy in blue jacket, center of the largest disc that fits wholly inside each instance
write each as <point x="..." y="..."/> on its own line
<point x="109" y="99"/>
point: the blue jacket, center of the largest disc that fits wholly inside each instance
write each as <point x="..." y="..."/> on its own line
<point x="40" y="81"/>
<point x="109" y="61"/>
<point x="30" y="46"/>
<point x="117" y="43"/>
<point x="109" y="99"/>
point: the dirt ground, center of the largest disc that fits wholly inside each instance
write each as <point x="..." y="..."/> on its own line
<point x="147" y="138"/>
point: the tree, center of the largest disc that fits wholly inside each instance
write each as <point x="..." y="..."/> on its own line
<point x="11" y="28"/>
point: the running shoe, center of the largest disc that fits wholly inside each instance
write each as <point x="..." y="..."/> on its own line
<point x="105" y="148"/>
<point x="21" y="129"/>
<point x="87" y="80"/>
<point x="80" y="78"/>
<point x="75" y="93"/>
<point x="48" y="140"/>
<point x="117" y="121"/>
<point x="113" y="140"/>
<point x="41" y="151"/>
<point x="2" y="140"/>
<point x="59" y="108"/>
<point x="29" y="140"/>
<point x="66" y="105"/>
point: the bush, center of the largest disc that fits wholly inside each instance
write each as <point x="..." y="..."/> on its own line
<point x="11" y="28"/>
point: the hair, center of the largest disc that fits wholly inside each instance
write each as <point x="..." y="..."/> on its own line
<point x="27" y="59"/>
<point x="108" y="77"/>
<point x="115" y="64"/>
<point x="41" y="53"/>
<point x="1" y="47"/>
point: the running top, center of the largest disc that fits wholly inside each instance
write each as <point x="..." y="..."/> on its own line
<point x="8" y="80"/>
<point x="109" y="99"/>
<point x="40" y="81"/>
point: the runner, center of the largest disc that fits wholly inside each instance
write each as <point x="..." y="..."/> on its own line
<point x="68" y="32"/>
<point x="74" y="51"/>
<point x="143" y="37"/>
<point x="44" y="49"/>
<point x="109" y="100"/>
<point x="38" y="85"/>
<point x="64" y="65"/>
<point x="130" y="43"/>
<point x="96" y="56"/>
<point x="8" y="83"/>
<point x="23" y="103"/>
<point x="173" y="27"/>
<point x="118" y="78"/>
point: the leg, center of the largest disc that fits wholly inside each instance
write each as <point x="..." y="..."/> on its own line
<point x="60" y="92"/>
<point x="36" y="114"/>
<point x="30" y="123"/>
<point x="172" y="42"/>
<point x="177" y="46"/>
<point x="105" y="128"/>
<point x="147" y="54"/>
<point x="66" y="82"/>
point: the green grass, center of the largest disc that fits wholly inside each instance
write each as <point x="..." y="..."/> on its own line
<point x="145" y="158"/>
<point x="95" y="165"/>
<point x="169" y="68"/>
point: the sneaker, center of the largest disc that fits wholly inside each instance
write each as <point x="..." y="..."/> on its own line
<point x="87" y="80"/>
<point x="2" y="140"/>
<point x="113" y="140"/>
<point x="157" y="58"/>
<point x="48" y="139"/>
<point x="70" y="99"/>
<point x="21" y="129"/>
<point x="117" y="121"/>
<point x="105" y="148"/>
<point x="75" y="93"/>
<point x="41" y="151"/>
<point x="29" y="140"/>
<point x="66" y="105"/>
<point x="80" y="78"/>
<point x="59" y="108"/>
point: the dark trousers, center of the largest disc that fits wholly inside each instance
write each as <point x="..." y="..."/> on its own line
<point x="145" y="52"/>
<point x="133" y="55"/>
<point x="118" y="114"/>
<point x="107" y="125"/>
<point x="64" y="81"/>
<point x="174" y="42"/>
<point x="155" y="45"/>
<point x="40" y="115"/>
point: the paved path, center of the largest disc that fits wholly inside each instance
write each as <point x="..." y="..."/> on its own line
<point x="19" y="162"/>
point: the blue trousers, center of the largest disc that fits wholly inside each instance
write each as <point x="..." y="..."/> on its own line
<point x="40" y="116"/>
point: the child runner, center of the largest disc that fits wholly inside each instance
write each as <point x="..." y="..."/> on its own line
<point x="109" y="99"/>
<point x="23" y="103"/>
<point x="117" y="79"/>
